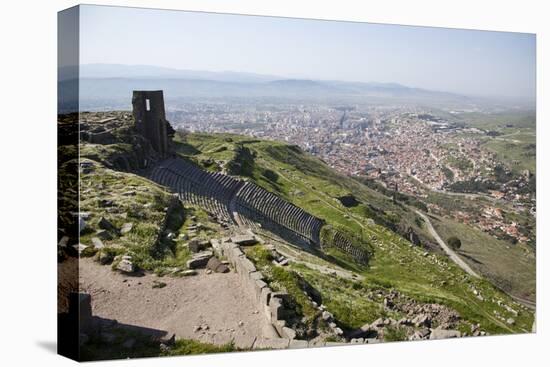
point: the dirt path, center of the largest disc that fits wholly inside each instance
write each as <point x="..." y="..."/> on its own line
<point x="216" y="301"/>
<point x="458" y="261"/>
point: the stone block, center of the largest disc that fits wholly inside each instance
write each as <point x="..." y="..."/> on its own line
<point x="298" y="344"/>
<point x="98" y="244"/>
<point x="444" y="334"/>
<point x="335" y="344"/>
<point x="248" y="266"/>
<point x="244" y="341"/>
<point x="244" y="240"/>
<point x="271" y="343"/>
<point x="256" y="275"/>
<point x="276" y="307"/>
<point x="265" y="296"/>
<point x="288" y="333"/>
<point x="234" y="254"/>
<point x="216" y="246"/>
<point x="279" y="325"/>
<point x="316" y="344"/>
<point x="199" y="260"/>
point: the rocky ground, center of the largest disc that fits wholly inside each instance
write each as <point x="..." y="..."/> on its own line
<point x="210" y="308"/>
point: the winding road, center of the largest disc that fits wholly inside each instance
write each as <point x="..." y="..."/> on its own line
<point x="458" y="261"/>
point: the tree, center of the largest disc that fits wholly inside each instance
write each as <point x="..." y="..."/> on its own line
<point x="454" y="242"/>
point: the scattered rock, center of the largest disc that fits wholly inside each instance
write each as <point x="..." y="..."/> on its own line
<point x="80" y="247"/>
<point x="158" y="284"/>
<point x="284" y="262"/>
<point x="104" y="203"/>
<point x="376" y="324"/>
<point x="422" y="320"/>
<point x="104" y="235"/>
<point x="187" y="273"/>
<point x="63" y="242"/>
<point x="105" y="258"/>
<point x="199" y="260"/>
<point x="423" y="333"/>
<point x="510" y="321"/>
<point x="216" y="265"/>
<point x="197" y="245"/>
<point x="106" y="225"/>
<point x="97" y="243"/>
<point x="126" y="227"/>
<point x="126" y="266"/>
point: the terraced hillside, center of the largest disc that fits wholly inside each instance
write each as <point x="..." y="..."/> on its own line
<point x="246" y="204"/>
<point x="226" y="185"/>
<point x="396" y="264"/>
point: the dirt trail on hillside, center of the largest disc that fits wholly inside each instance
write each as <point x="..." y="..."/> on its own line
<point x="452" y="255"/>
<point x="217" y="302"/>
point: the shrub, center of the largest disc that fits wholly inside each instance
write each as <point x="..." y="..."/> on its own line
<point x="454" y="242"/>
<point x="394" y="334"/>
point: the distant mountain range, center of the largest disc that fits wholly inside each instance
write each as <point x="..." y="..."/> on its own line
<point x="110" y="86"/>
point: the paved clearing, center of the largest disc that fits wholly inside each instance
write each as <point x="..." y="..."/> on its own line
<point x="215" y="300"/>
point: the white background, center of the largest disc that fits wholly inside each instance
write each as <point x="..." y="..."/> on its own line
<point x="28" y="180"/>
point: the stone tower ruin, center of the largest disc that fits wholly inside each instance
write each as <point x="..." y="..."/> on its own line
<point x="149" y="115"/>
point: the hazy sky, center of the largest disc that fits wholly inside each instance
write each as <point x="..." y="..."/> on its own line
<point x="468" y="62"/>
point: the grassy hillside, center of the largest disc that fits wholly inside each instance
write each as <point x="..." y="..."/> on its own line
<point x="514" y="143"/>
<point x="511" y="267"/>
<point x="309" y="183"/>
<point x="157" y="238"/>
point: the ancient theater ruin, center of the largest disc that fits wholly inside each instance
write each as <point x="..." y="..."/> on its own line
<point x="231" y="200"/>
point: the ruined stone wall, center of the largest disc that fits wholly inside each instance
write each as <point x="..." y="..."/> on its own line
<point x="345" y="242"/>
<point x="150" y="118"/>
<point x="254" y="282"/>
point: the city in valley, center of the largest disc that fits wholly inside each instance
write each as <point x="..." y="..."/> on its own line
<point x="435" y="156"/>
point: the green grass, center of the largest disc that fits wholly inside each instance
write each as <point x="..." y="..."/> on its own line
<point x="193" y="347"/>
<point x="146" y="208"/>
<point x="511" y="267"/>
<point x="517" y="156"/>
<point x="492" y="121"/>
<point x="345" y="299"/>
<point x="307" y="182"/>
<point x="283" y="280"/>
<point x="395" y="334"/>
